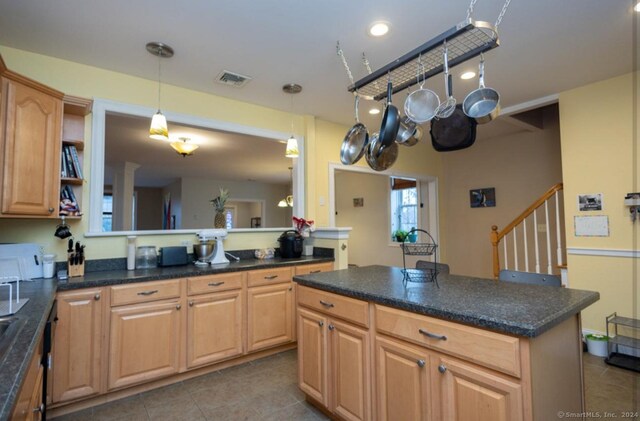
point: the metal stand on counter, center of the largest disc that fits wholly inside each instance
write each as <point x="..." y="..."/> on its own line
<point x="632" y="343"/>
<point x="421" y="275"/>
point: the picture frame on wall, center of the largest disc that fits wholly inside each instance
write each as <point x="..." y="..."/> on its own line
<point x="482" y="198"/>
<point x="256" y="222"/>
<point x="590" y="202"/>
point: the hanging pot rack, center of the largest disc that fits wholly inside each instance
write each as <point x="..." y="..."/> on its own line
<point x="465" y="41"/>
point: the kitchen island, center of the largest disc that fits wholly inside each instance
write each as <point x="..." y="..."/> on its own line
<point x="471" y="349"/>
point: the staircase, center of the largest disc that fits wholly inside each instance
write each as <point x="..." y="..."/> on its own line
<point x="532" y="242"/>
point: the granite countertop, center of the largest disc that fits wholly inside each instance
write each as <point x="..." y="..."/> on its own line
<point x="115" y="277"/>
<point x="15" y="364"/>
<point x="41" y="294"/>
<point x="517" y="309"/>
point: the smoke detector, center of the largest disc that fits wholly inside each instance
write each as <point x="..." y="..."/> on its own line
<point x="232" y="79"/>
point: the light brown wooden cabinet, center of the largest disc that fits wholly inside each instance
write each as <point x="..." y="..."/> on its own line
<point x="30" y="131"/>
<point x="29" y="406"/>
<point x="270" y="319"/>
<point x="214" y="327"/>
<point x="334" y="364"/>
<point x="314" y="268"/>
<point x="77" y="366"/>
<point x="144" y="342"/>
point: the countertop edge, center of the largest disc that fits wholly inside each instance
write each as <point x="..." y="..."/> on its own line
<point x="530" y="331"/>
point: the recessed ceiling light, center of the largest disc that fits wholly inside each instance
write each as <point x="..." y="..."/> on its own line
<point x="468" y="75"/>
<point x="378" y="29"/>
<point x="637" y="7"/>
<point x="374" y="111"/>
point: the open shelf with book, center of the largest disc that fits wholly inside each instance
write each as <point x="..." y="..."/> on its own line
<point x="72" y="155"/>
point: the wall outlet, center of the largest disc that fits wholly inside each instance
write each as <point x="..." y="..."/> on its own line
<point x="185" y="243"/>
<point x="321" y="201"/>
<point x="542" y="228"/>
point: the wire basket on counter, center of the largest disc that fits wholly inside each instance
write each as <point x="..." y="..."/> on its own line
<point x="422" y="275"/>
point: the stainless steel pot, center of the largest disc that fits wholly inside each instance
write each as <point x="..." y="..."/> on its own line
<point x="482" y="104"/>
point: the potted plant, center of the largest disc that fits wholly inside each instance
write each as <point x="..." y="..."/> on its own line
<point x="218" y="203"/>
<point x="400" y="235"/>
<point x="412" y="235"/>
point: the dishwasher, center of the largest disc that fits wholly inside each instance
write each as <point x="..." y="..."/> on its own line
<point x="47" y="358"/>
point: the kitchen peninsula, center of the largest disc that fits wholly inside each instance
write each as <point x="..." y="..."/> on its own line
<point x="371" y="348"/>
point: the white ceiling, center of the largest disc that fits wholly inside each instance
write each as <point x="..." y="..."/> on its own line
<point x="220" y="156"/>
<point x="547" y="46"/>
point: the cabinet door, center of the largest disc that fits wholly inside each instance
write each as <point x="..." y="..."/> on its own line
<point x="31" y="160"/>
<point x="470" y="393"/>
<point x="35" y="404"/>
<point x="312" y="355"/>
<point x="78" y="343"/>
<point x="402" y="381"/>
<point x="350" y="371"/>
<point x="214" y="327"/>
<point x="144" y="343"/>
<point x="269" y="314"/>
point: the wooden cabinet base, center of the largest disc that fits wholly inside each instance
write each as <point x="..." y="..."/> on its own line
<point x="57" y="410"/>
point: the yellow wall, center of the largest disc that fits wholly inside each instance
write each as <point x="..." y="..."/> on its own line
<point x="322" y="143"/>
<point x="598" y="146"/>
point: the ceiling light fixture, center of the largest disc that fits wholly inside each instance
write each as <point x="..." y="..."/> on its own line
<point x="158" y="129"/>
<point x="183" y="147"/>
<point x="292" y="143"/>
<point x="378" y="29"/>
<point x="374" y="111"/>
<point x="467" y="75"/>
<point x="287" y="201"/>
<point x="637" y="7"/>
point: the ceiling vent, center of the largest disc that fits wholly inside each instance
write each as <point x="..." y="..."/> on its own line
<point x="232" y="79"/>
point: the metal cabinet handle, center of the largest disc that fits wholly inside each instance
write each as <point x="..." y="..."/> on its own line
<point x="316" y="271"/>
<point x="50" y="210"/>
<point x="442" y="368"/>
<point x="39" y="409"/>
<point x="190" y="303"/>
<point x="331" y="327"/>
<point x="420" y="363"/>
<point x="271" y="277"/>
<point x="320" y="323"/>
<point x="215" y="284"/>
<point x="326" y="304"/>
<point x="178" y="306"/>
<point x="153" y="291"/>
<point x="96" y="297"/>
<point x="432" y="335"/>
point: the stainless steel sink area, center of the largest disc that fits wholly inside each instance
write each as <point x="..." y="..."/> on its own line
<point x="9" y="328"/>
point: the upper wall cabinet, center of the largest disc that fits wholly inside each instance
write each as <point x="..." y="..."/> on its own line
<point x="31" y="126"/>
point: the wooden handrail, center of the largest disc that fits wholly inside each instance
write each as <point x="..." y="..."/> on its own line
<point x="496" y="236"/>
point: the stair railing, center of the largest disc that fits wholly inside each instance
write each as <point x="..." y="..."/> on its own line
<point x="511" y="230"/>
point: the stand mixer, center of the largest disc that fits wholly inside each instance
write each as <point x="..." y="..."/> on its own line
<point x="218" y="255"/>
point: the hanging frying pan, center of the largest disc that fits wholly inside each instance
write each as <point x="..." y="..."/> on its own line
<point x="355" y="142"/>
<point x="453" y="133"/>
<point x="390" y="121"/>
<point x="378" y="157"/>
<point x="482" y="104"/>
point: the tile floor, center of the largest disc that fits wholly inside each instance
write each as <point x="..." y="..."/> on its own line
<point x="266" y="390"/>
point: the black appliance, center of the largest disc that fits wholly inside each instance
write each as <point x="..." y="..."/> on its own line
<point x="290" y="244"/>
<point x="47" y="357"/>
<point x="173" y="256"/>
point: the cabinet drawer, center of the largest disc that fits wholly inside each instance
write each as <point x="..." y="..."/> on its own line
<point x="490" y="349"/>
<point x="346" y="308"/>
<point x="315" y="268"/>
<point x="269" y="276"/>
<point x="144" y="292"/>
<point x="214" y="283"/>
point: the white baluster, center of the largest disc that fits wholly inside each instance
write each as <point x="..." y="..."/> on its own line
<point x="506" y="255"/>
<point x="526" y="246"/>
<point x="535" y="238"/>
<point x="546" y="215"/>
<point x="558" y="237"/>
<point x="515" y="248"/>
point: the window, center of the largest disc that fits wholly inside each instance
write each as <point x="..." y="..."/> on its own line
<point x="107" y="213"/>
<point x="404" y="205"/>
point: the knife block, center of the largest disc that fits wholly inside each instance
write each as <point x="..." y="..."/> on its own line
<point x="74" y="270"/>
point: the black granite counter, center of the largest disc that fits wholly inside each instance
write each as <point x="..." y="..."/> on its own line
<point x="115" y="277"/>
<point x="517" y="309"/>
<point x="15" y="364"/>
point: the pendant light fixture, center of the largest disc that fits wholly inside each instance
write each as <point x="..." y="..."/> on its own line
<point x="292" y="143"/>
<point x="158" y="129"/>
<point x="288" y="201"/>
<point x="183" y="147"/>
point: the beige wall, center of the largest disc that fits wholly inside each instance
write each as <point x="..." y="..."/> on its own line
<point x="599" y="151"/>
<point x="521" y="167"/>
